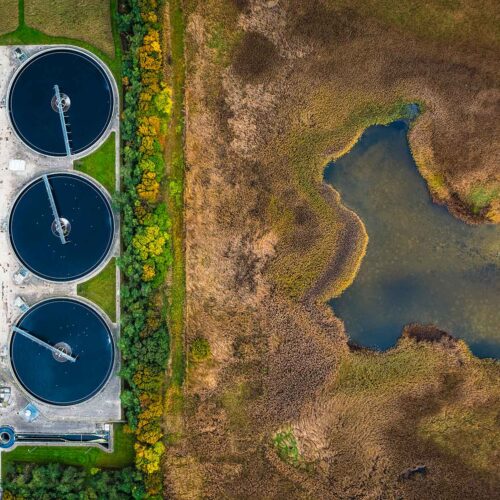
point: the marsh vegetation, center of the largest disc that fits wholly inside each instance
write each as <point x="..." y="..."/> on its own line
<point x="269" y="242"/>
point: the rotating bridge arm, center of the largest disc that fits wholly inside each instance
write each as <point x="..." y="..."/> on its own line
<point x="42" y="343"/>
<point x="55" y="213"/>
<point x="60" y="110"/>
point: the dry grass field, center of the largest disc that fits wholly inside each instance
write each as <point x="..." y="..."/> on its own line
<point x="281" y="408"/>
<point x="87" y="20"/>
<point x="8" y="15"/>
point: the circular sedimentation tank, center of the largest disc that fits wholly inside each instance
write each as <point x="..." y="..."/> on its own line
<point x="84" y="217"/>
<point x="7" y="437"/>
<point x="86" y="98"/>
<point x="62" y="351"/>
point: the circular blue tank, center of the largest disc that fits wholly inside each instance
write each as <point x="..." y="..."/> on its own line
<point x="66" y="353"/>
<point x="86" y="94"/>
<point x="7" y="437"/>
<point x="86" y="219"/>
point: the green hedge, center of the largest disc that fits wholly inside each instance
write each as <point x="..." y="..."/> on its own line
<point x="146" y="253"/>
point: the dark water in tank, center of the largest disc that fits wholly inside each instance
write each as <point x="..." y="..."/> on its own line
<point x="91" y="228"/>
<point x="82" y="80"/>
<point x="79" y="326"/>
<point x="422" y="264"/>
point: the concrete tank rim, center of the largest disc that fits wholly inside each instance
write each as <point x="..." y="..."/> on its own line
<point x="114" y="216"/>
<point x="112" y="334"/>
<point x="114" y="92"/>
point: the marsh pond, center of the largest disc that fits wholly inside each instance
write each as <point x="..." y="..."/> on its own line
<point x="422" y="264"/>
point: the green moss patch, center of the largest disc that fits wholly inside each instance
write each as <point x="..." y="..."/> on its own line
<point x="286" y="446"/>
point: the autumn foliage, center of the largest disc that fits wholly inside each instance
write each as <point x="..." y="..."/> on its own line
<point x="146" y="224"/>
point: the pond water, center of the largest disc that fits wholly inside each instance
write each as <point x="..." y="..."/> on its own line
<point x="422" y="264"/>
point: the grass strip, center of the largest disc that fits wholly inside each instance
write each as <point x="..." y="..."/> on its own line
<point x="101" y="164"/>
<point x="101" y="289"/>
<point x="174" y="155"/>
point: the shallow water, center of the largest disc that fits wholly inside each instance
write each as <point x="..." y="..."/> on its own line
<point x="422" y="264"/>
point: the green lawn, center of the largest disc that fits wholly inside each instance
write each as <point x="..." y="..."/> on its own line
<point x="101" y="164"/>
<point x="90" y="457"/>
<point x="101" y="289"/>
